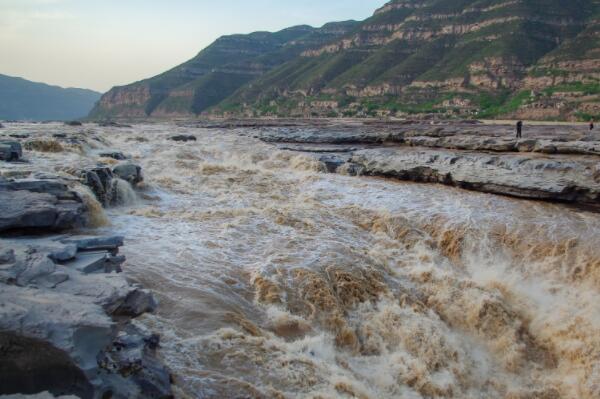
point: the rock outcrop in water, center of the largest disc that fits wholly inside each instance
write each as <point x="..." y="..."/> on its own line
<point x="515" y="175"/>
<point x="108" y="184"/>
<point x="10" y="151"/>
<point x="555" y="163"/>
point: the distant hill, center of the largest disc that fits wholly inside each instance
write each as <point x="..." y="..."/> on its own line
<point x="535" y="59"/>
<point x="21" y="99"/>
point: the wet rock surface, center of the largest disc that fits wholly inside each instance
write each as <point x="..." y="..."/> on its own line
<point x="43" y="205"/>
<point x="10" y="151"/>
<point x="184" y="138"/>
<point x="552" y="162"/>
<point x="67" y="313"/>
<point x="30" y="366"/>
<point x="129" y="172"/>
<point x="66" y="294"/>
<point x="117" y="155"/>
<point x="515" y="175"/>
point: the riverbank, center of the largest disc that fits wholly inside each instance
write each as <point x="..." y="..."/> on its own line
<point x="67" y="313"/>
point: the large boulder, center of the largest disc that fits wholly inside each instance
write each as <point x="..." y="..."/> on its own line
<point x="75" y="336"/>
<point x="30" y="365"/>
<point x="10" y="151"/>
<point x="129" y="172"/>
<point x="40" y="211"/>
<point x="99" y="180"/>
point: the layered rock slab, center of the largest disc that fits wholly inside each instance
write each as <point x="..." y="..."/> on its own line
<point x="43" y="205"/>
<point x="65" y="294"/>
<point x="557" y="179"/>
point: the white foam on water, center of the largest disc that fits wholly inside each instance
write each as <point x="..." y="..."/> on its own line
<point x="275" y="278"/>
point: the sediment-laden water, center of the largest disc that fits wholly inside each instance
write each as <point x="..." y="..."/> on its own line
<point x="277" y="280"/>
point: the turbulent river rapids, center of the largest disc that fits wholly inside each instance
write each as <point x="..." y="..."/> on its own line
<point x="278" y="280"/>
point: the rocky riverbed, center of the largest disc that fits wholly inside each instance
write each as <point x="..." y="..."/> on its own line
<point x="274" y="277"/>
<point x="67" y="314"/>
<point x="553" y="162"/>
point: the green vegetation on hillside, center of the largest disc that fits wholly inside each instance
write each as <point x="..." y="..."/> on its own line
<point x="459" y="58"/>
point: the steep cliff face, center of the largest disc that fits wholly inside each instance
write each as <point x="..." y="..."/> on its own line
<point x="463" y="58"/>
<point x="485" y="58"/>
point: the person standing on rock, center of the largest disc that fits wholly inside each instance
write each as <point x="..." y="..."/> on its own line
<point x="519" y="129"/>
<point x="592" y="124"/>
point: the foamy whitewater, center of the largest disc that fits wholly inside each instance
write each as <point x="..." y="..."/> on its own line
<point x="277" y="280"/>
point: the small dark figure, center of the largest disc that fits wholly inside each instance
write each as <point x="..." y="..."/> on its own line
<point x="519" y="129"/>
<point x="591" y="125"/>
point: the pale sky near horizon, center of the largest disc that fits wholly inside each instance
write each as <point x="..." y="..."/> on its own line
<point x="97" y="44"/>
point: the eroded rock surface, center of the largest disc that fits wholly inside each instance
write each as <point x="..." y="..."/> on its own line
<point x="78" y="307"/>
<point x="129" y="172"/>
<point x="10" y="151"/>
<point x="31" y="366"/>
<point x="552" y="162"/>
<point x="43" y="205"/>
<point x="516" y="175"/>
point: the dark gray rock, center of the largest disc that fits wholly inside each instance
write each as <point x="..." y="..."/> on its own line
<point x="332" y="162"/>
<point x="73" y="123"/>
<point x="135" y="304"/>
<point x="96" y="262"/>
<point x="38" y="212"/>
<point x="62" y="252"/>
<point x="7" y="256"/>
<point x="118" y="155"/>
<point x="129" y="172"/>
<point x="63" y="308"/>
<point x="30" y="365"/>
<point x="38" y="266"/>
<point x="184" y="138"/>
<point x="556" y="179"/>
<point x="96" y="243"/>
<point x="53" y="187"/>
<point x="99" y="180"/>
<point x="10" y="151"/>
<point x="132" y="354"/>
<point x="113" y="124"/>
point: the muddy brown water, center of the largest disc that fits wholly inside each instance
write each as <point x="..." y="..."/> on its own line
<point x="277" y="280"/>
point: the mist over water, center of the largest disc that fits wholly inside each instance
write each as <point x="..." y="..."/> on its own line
<point x="277" y="280"/>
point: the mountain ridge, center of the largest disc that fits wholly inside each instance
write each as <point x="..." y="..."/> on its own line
<point x="22" y="99"/>
<point x="461" y="58"/>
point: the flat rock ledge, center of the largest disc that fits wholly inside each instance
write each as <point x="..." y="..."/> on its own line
<point x="553" y="163"/>
<point x="40" y="205"/>
<point x="514" y="175"/>
<point x="67" y="321"/>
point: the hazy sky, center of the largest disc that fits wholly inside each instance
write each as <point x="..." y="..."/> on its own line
<point x="98" y="44"/>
